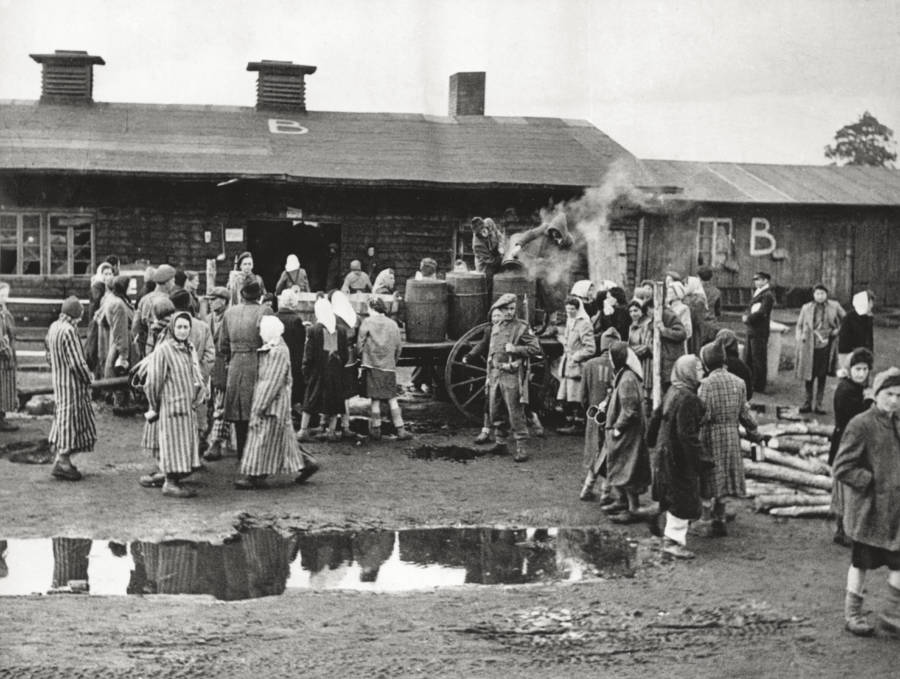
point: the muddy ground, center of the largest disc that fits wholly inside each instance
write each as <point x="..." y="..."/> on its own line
<point x="763" y="602"/>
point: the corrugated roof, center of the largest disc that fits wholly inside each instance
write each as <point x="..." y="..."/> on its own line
<point x="380" y="148"/>
<point x="753" y="183"/>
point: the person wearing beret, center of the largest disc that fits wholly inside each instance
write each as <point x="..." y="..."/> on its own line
<point x="868" y="465"/>
<point x="241" y="275"/>
<point x="756" y="318"/>
<point x="164" y="284"/>
<point x="507" y="349"/>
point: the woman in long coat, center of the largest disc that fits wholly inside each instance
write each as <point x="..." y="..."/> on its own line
<point x="8" y="393"/>
<point x="849" y="401"/>
<point x="625" y="453"/>
<point x="578" y="346"/>
<point x="640" y="340"/>
<point x="241" y="276"/>
<point x="295" y="338"/>
<point x="695" y="299"/>
<point x="118" y="315"/>
<point x="856" y="328"/>
<point x="724" y="397"/>
<point x="598" y="383"/>
<point x="73" y="429"/>
<point x="817" y="328"/>
<point x="680" y="457"/>
<point x="174" y="386"/>
<point x="293" y="276"/>
<point x="271" y="445"/>
<point x="324" y="358"/>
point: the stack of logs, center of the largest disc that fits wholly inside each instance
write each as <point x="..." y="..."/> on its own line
<point x="789" y="475"/>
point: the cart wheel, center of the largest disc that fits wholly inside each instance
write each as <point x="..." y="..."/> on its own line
<point x="465" y="381"/>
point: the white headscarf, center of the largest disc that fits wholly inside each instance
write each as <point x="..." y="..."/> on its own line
<point x="270" y="331"/>
<point x="342" y="308"/>
<point x="694" y="286"/>
<point x="862" y="304"/>
<point x="288" y="299"/>
<point x="325" y="314"/>
<point x="581" y="313"/>
<point x="292" y="263"/>
<point x="582" y="289"/>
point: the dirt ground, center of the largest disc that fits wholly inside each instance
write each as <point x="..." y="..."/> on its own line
<point x="766" y="601"/>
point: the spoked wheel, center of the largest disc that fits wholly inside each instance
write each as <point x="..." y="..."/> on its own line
<point x="465" y="381"/>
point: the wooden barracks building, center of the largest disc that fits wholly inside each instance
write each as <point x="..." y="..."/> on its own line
<point x="81" y="180"/>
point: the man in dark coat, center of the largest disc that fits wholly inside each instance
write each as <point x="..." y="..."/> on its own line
<point x="757" y="321"/>
<point x="295" y="338"/>
<point x="238" y="343"/>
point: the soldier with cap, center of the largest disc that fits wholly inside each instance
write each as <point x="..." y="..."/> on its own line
<point x="508" y="347"/>
<point x="238" y="343"/>
<point x="757" y="321"/>
<point x="164" y="281"/>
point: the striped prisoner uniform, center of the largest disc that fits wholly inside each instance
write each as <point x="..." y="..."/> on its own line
<point x="73" y="429"/>
<point x="271" y="445"/>
<point x="219" y="428"/>
<point x="172" y="383"/>
<point x="9" y="397"/>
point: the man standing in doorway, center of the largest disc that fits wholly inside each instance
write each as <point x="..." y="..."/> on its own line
<point x="757" y="321"/>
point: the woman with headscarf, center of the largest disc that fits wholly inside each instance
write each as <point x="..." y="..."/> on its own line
<point x="348" y="321"/>
<point x="379" y="347"/>
<point x="174" y="387"/>
<point x="625" y="453"/>
<point x="856" y="328"/>
<point x="241" y="276"/>
<point x="577" y="338"/>
<point x="736" y="366"/>
<point x="849" y="401"/>
<point x="101" y="284"/>
<point x="73" y="429"/>
<point x="385" y="282"/>
<point x="295" y="339"/>
<point x="675" y="302"/>
<point x="680" y="456"/>
<point x="640" y="340"/>
<point x="293" y="276"/>
<point x="324" y="358"/>
<point x="695" y="300"/>
<point x="724" y="398"/>
<point x="9" y="396"/>
<point x="271" y="445"/>
<point x="160" y="313"/>
<point x="118" y="314"/>
<point x="597" y="376"/>
<point x="101" y="291"/>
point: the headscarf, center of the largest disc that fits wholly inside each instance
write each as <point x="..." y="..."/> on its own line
<point x="175" y="317"/>
<point x="861" y="355"/>
<point x="340" y="303"/>
<point x="684" y="372"/>
<point x="581" y="313"/>
<point x="270" y="331"/>
<point x="608" y="336"/>
<point x="381" y="280"/>
<point x="325" y="314"/>
<point x="712" y="355"/>
<point x="292" y="263"/>
<point x="98" y="277"/>
<point x="288" y="299"/>
<point x="694" y="286"/>
<point x="120" y="289"/>
<point x="582" y="289"/>
<point x="862" y="303"/>
<point x="728" y="340"/>
<point x="676" y="290"/>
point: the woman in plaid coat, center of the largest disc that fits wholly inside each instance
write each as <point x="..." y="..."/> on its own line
<point x="724" y="397"/>
<point x="271" y="445"/>
<point x="73" y="430"/>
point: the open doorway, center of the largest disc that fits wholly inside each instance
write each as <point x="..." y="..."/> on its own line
<point x="271" y="241"/>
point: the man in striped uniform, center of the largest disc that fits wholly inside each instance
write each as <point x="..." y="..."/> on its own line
<point x="73" y="430"/>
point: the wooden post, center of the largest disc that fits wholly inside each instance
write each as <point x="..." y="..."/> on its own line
<point x="658" y="301"/>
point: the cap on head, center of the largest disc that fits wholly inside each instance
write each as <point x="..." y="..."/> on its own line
<point x="72" y="307"/>
<point x="163" y="274"/>
<point x="762" y="275"/>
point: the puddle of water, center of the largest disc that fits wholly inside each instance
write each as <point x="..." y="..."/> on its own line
<point x="262" y="562"/>
<point x="452" y="453"/>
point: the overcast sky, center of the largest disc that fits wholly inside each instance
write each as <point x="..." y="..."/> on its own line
<point x="732" y="80"/>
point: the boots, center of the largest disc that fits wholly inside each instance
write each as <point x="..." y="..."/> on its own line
<point x="521" y="454"/>
<point x="854" y="618"/>
<point x="889" y="619"/>
<point x="587" y="489"/>
<point x="375" y="429"/>
<point x="537" y="429"/>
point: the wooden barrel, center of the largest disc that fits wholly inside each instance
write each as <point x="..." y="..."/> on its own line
<point x="468" y="302"/>
<point x="306" y="303"/>
<point x="519" y="284"/>
<point x="426" y="310"/>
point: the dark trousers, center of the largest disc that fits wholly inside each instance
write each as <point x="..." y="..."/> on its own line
<point x="756" y="356"/>
<point x="241" y="430"/>
<point x="819" y="375"/>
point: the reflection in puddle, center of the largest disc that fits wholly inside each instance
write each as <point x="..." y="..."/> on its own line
<point x="263" y="562"/>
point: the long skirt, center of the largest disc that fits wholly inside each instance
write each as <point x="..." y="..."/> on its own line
<point x="9" y="398"/>
<point x="381" y="385"/>
<point x="324" y="390"/>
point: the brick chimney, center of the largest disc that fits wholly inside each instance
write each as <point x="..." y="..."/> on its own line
<point x="467" y="94"/>
<point x="280" y="85"/>
<point x="67" y="76"/>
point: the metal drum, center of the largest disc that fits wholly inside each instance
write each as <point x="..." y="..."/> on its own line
<point x="426" y="310"/>
<point x="468" y="302"/>
<point x="519" y="284"/>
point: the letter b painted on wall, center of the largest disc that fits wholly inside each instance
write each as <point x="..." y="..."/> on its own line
<point x="762" y="242"/>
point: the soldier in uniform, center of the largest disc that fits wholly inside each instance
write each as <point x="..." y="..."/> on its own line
<point x="756" y="319"/>
<point x="508" y="347"/>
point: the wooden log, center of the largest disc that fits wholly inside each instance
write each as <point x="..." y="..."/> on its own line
<point x="755" y="488"/>
<point x="826" y="430"/>
<point x="794" y="444"/>
<point x="763" y="503"/>
<point x="812" y="466"/>
<point x="814" y="450"/>
<point x="774" y="472"/>
<point x="816" y="512"/>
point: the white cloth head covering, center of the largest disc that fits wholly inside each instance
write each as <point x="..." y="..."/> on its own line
<point x="676" y="290"/>
<point x="270" y="331"/>
<point x="582" y="288"/>
<point x="581" y="313"/>
<point x="342" y="308"/>
<point x="862" y="304"/>
<point x="694" y="286"/>
<point x="325" y="314"/>
<point x="288" y="299"/>
<point x="292" y="263"/>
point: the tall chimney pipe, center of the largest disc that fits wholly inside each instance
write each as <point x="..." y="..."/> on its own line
<point x="67" y="76"/>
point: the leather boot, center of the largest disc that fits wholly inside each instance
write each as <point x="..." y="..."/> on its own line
<point x="374" y="429"/>
<point x="854" y="618"/>
<point x="889" y="619"/>
<point x="521" y="454"/>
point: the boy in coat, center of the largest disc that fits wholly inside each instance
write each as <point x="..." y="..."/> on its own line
<point x="757" y="321"/>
